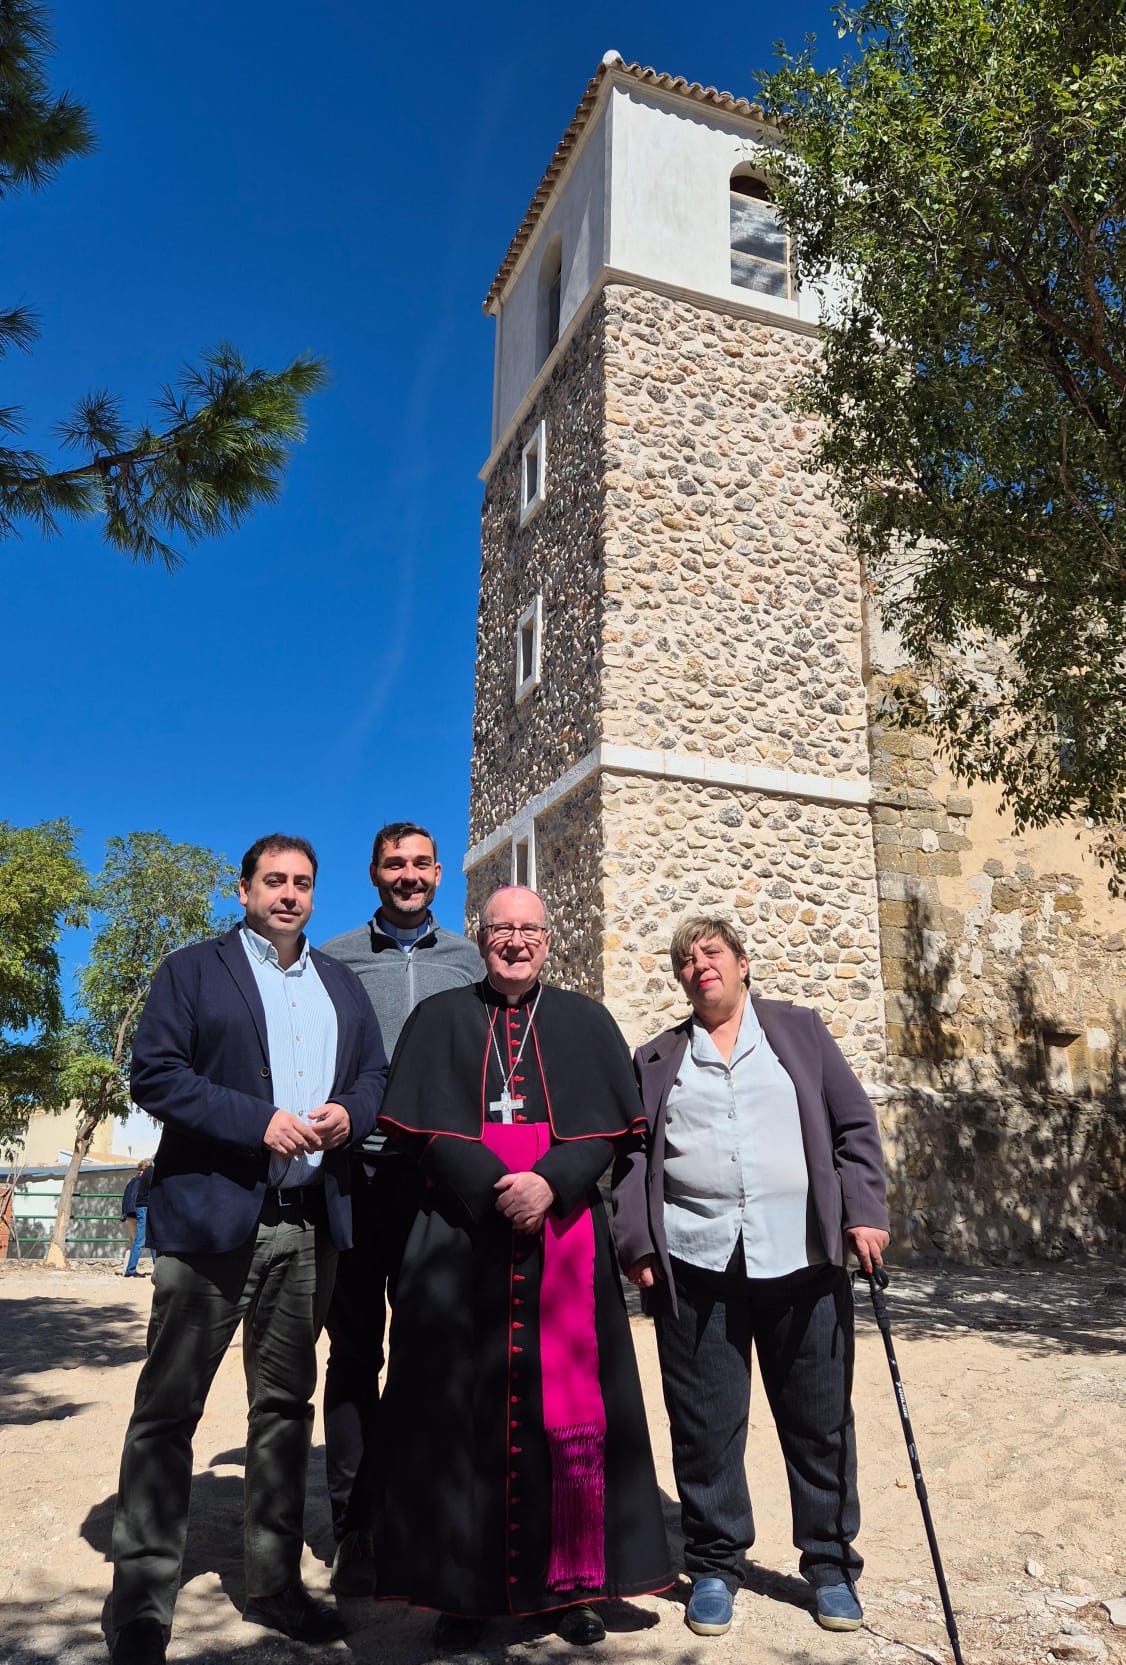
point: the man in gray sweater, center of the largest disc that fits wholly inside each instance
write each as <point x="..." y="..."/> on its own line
<point x="400" y="956"/>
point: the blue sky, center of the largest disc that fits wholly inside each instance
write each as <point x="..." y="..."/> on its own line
<point x="343" y="179"/>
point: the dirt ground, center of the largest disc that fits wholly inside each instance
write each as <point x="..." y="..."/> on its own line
<point x="1016" y="1384"/>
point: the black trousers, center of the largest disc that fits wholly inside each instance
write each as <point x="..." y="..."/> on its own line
<point x="199" y="1301"/>
<point x="383" y="1206"/>
<point x="802" y="1330"/>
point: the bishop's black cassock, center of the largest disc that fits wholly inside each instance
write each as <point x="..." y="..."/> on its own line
<point x="518" y="1475"/>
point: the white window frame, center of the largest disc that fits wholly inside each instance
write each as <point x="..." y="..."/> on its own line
<point x="524" y="838"/>
<point x="535" y="452"/>
<point x="528" y="631"/>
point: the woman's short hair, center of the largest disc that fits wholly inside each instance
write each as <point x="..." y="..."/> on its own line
<point x="702" y="927"/>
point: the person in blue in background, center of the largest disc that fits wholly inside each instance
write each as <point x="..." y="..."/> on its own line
<point x="134" y="1211"/>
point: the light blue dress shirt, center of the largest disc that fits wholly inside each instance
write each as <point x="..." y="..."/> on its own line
<point x="734" y="1159"/>
<point x="301" y="1034"/>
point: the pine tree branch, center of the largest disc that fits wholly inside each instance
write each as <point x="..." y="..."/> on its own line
<point x="39" y="131"/>
<point x="19" y="327"/>
<point x="224" y="454"/>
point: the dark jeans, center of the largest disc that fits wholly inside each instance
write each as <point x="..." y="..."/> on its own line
<point x="198" y="1303"/>
<point x="802" y="1329"/>
<point x="383" y="1206"/>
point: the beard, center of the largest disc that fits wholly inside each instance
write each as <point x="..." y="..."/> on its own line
<point x="412" y="901"/>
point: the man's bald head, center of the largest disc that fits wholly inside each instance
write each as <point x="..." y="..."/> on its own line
<point x="514" y="939"/>
<point x="529" y="902"/>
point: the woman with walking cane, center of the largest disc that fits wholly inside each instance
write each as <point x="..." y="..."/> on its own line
<point x="760" y="1167"/>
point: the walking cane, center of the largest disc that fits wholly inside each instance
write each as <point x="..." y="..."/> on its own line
<point x="877" y="1283"/>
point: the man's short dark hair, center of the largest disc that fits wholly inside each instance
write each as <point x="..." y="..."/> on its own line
<point x="394" y="833"/>
<point x="276" y="842"/>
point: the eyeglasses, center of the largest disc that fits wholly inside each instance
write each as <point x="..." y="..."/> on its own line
<point x="505" y="932"/>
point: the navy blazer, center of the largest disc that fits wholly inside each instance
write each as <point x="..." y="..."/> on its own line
<point x="201" y="1066"/>
<point x="840" y="1137"/>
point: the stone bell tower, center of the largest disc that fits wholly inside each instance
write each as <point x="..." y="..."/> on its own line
<point x="670" y="707"/>
<point x="679" y="695"/>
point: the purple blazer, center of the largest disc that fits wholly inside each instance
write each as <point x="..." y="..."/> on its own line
<point x="845" y="1163"/>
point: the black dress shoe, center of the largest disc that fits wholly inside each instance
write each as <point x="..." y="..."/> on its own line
<point x="140" y="1642"/>
<point x="353" y="1568"/>
<point x="581" y="1626"/>
<point x="453" y="1634"/>
<point x="296" y="1613"/>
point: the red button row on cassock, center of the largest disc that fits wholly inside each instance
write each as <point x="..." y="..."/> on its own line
<point x="514" y="1424"/>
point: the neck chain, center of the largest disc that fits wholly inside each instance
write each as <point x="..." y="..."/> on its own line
<point x="507" y="1078"/>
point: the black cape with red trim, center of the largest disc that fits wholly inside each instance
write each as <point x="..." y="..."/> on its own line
<point x="437" y="1085"/>
<point x="465" y="1474"/>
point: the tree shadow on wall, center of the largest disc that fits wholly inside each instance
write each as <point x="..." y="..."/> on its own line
<point x="1009" y="1153"/>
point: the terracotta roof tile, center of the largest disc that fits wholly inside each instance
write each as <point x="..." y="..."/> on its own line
<point x="609" y="66"/>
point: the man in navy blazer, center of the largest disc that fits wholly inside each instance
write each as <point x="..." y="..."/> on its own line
<point x="761" y="1166"/>
<point x="263" y="1060"/>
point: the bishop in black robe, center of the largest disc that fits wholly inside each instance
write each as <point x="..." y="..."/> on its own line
<point x="502" y="1495"/>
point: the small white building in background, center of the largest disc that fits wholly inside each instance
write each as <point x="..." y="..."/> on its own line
<point x="50" y="1139"/>
<point x="27" y="1212"/>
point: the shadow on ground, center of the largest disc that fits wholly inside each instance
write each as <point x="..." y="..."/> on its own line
<point x="1042" y="1309"/>
<point x="208" y="1631"/>
<point x="61" y="1334"/>
<point x="214" y="1542"/>
<point x="1048" y="1308"/>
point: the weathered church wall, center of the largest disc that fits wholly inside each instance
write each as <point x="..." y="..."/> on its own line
<point x="732" y="611"/>
<point x="1004" y="971"/>
<point x="1004" y="955"/>
<point x="798" y="878"/>
<point x="701" y="604"/>
<point x="1005" y="1174"/>
<point x="482" y="879"/>
<point x="570" y="844"/>
<point x="520" y="749"/>
<point x="732" y="633"/>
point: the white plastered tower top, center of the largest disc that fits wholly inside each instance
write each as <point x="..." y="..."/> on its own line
<point x="638" y="191"/>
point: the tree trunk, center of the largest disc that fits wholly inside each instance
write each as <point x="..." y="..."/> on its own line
<point x="56" y="1249"/>
<point x="7" y="1216"/>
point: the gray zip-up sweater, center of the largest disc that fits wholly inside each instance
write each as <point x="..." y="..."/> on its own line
<point x="395" y="981"/>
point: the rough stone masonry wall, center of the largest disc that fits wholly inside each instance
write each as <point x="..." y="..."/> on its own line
<point x="732" y="631"/>
<point x="797" y="877"/>
<point x="568" y="844"/>
<point x="700" y="598"/>
<point x="733" y="608"/>
<point x="1004" y="966"/>
<point x="519" y="750"/>
<point x="569" y="840"/>
<point x="482" y="880"/>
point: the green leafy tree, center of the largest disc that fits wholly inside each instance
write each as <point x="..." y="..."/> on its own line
<point x="960" y="182"/>
<point x="222" y="436"/>
<point x="43" y="890"/>
<point x="151" y="897"/>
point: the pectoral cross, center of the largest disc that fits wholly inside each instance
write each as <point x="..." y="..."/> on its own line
<point x="503" y="1109"/>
